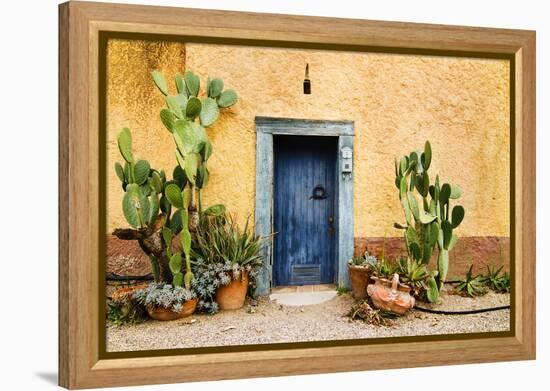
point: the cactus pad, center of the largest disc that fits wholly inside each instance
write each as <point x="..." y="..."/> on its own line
<point x="457" y="215"/>
<point x="119" y="171"/>
<point x="209" y="112"/>
<point x="180" y="84"/>
<point x="227" y="98"/>
<point x="215" y="88"/>
<point x="174" y="105"/>
<point x="167" y="118"/>
<point x="160" y="82"/>
<point x="192" y="83"/>
<point x="125" y="145"/>
<point x="173" y="194"/>
<point x="193" y="108"/>
<point x="141" y="171"/>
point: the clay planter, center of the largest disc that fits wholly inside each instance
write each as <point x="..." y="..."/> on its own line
<point x="359" y="277"/>
<point x="161" y="313"/>
<point x="391" y="295"/>
<point x="231" y="296"/>
<point x="124" y="295"/>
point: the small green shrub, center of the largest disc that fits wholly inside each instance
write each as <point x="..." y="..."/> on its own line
<point x="119" y="314"/>
<point x="496" y="280"/>
<point x="341" y="290"/>
<point x="471" y="285"/>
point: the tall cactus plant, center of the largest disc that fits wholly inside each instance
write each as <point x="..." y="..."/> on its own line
<point x="158" y="210"/>
<point x="186" y="116"/>
<point x="431" y="222"/>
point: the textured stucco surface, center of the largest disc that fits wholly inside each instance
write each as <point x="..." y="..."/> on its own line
<point x="396" y="102"/>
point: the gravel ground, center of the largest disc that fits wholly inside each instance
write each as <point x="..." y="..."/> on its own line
<point x="269" y="322"/>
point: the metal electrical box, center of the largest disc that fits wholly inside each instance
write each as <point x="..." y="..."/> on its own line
<point x="347" y="160"/>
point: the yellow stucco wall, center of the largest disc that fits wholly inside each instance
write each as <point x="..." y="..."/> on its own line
<point x="396" y="102"/>
<point x="133" y="101"/>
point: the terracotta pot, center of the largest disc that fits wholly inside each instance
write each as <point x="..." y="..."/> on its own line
<point x="161" y="313"/>
<point x="231" y="296"/>
<point x="391" y="295"/>
<point x="123" y="295"/>
<point x="359" y="277"/>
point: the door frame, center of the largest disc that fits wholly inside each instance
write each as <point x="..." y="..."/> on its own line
<point x="266" y="128"/>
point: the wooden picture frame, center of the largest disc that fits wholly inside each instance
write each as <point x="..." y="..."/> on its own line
<point x="81" y="364"/>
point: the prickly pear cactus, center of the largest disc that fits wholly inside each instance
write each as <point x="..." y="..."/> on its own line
<point x="158" y="210"/>
<point x="193" y="149"/>
<point x="430" y="220"/>
<point x="142" y="185"/>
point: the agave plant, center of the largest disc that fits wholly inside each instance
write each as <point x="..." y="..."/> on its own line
<point x="432" y="222"/>
<point x="221" y="252"/>
<point x="471" y="285"/>
<point x="496" y="280"/>
<point x="416" y="275"/>
<point x="220" y="240"/>
<point x="384" y="268"/>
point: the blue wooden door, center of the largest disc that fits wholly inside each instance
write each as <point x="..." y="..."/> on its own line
<point x="304" y="210"/>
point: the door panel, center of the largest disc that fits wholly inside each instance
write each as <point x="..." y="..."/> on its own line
<point x="304" y="222"/>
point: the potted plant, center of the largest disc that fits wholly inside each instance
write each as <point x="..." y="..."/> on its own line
<point x="391" y="295"/>
<point x="167" y="302"/>
<point x="227" y="259"/>
<point x="421" y="281"/>
<point x="396" y="284"/>
<point x="359" y="273"/>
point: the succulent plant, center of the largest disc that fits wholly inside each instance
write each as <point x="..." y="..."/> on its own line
<point x="430" y="223"/>
<point x="496" y="279"/>
<point x="416" y="275"/>
<point x="471" y="285"/>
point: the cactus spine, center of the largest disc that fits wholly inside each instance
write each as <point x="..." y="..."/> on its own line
<point x="430" y="223"/>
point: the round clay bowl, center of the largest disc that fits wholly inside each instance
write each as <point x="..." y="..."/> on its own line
<point x="161" y="313"/>
<point x="231" y="296"/>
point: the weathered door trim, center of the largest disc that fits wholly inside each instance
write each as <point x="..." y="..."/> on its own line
<point x="266" y="127"/>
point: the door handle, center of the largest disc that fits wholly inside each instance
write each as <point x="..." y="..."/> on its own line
<point x="331" y="229"/>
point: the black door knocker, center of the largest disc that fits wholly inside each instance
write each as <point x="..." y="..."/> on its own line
<point x="319" y="193"/>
